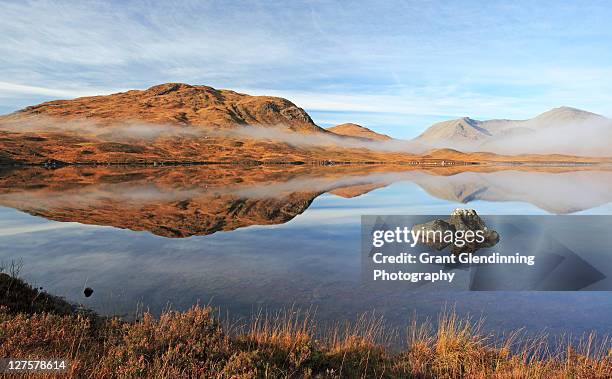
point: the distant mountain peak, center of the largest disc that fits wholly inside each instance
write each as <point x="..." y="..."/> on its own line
<point x="563" y="115"/>
<point x="469" y="120"/>
<point x="464" y="128"/>
<point x="358" y="131"/>
<point x="552" y="127"/>
<point x="565" y="109"/>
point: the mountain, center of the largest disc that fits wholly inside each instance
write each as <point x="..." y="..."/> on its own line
<point x="460" y="130"/>
<point x="177" y="103"/>
<point x="174" y="123"/>
<point x="563" y="130"/>
<point x="177" y="123"/>
<point x="354" y="130"/>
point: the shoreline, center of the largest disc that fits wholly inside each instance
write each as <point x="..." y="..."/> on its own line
<point x="416" y="163"/>
<point x="198" y="342"/>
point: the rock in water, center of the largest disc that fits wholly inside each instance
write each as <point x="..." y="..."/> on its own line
<point x="433" y="233"/>
<point x="460" y="220"/>
<point x="88" y="292"/>
<point x="468" y="219"/>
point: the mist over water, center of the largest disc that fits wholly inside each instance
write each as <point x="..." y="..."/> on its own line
<point x="138" y="131"/>
<point x="582" y="136"/>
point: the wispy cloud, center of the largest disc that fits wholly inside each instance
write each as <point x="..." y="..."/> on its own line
<point x="12" y="89"/>
<point x="406" y="58"/>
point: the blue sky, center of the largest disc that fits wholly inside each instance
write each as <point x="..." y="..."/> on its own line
<point x="392" y="66"/>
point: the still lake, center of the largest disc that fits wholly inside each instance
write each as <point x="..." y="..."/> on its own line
<point x="268" y="240"/>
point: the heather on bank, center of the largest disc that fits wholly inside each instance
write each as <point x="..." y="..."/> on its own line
<point x="198" y="343"/>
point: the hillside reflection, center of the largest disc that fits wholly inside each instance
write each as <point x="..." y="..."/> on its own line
<point x="201" y="200"/>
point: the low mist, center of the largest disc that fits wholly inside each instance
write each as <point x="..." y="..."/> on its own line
<point x="135" y="132"/>
<point x="584" y="138"/>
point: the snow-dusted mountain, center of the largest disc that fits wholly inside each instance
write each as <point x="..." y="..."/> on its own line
<point x="563" y="130"/>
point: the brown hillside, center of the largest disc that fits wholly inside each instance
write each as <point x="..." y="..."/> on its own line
<point x="354" y="130"/>
<point x="177" y="103"/>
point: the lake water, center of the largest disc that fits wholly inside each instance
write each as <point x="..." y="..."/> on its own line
<point x="250" y="238"/>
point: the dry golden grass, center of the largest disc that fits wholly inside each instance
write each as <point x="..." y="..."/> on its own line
<point x="287" y="344"/>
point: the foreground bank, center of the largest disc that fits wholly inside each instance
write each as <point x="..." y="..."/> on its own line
<point x="35" y="325"/>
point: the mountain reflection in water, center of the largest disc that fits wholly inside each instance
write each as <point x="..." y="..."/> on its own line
<point x="201" y="200"/>
<point x="273" y="237"/>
